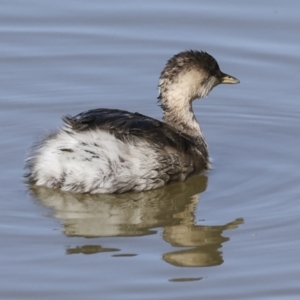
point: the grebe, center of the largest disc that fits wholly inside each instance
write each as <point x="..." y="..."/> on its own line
<point x="115" y="151"/>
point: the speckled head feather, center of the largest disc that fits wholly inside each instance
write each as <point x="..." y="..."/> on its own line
<point x="187" y="76"/>
<point x="188" y="60"/>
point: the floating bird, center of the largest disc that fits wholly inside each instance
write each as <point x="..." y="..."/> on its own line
<point x="115" y="151"/>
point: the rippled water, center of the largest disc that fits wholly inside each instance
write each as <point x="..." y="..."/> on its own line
<point x="230" y="234"/>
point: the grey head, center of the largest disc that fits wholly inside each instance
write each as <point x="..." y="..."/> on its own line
<point x="190" y="75"/>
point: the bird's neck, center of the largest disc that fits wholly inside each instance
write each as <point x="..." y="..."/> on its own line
<point x="176" y="97"/>
<point x="182" y="118"/>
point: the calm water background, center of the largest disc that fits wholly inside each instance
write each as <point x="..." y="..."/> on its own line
<point x="232" y="234"/>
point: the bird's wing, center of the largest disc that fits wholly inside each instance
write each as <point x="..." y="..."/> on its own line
<point x="127" y="126"/>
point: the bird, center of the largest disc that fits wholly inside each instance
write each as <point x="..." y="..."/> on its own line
<point x="115" y="151"/>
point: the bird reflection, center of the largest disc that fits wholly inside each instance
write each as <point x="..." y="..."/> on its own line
<point x="136" y="214"/>
<point x="204" y="240"/>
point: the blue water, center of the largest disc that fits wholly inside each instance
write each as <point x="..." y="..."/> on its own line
<point x="231" y="234"/>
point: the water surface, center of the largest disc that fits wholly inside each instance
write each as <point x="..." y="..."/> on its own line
<point x="229" y="234"/>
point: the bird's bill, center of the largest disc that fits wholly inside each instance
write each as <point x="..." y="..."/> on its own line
<point x="228" y="79"/>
